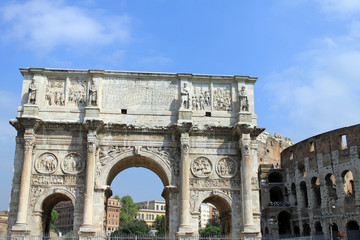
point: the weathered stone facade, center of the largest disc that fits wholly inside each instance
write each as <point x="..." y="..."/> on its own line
<point x="316" y="187"/>
<point x="77" y="129"/>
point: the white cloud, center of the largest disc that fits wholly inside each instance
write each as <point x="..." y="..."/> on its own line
<point x="342" y="7"/>
<point x="321" y="92"/>
<point x="44" y="25"/>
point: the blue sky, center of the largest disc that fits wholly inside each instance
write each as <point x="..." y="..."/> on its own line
<point x="306" y="54"/>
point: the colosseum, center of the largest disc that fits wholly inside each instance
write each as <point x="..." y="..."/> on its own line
<point x="313" y="189"/>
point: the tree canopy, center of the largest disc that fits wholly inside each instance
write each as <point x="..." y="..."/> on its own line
<point x="160" y="224"/>
<point x="134" y="227"/>
<point x="129" y="209"/>
<point x="210" y="230"/>
<point x="54" y="220"/>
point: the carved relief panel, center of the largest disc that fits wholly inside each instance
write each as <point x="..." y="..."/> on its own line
<point x="46" y="163"/>
<point x="201" y="97"/>
<point x="55" y="93"/>
<point x="77" y="93"/>
<point x="201" y="167"/>
<point x="222" y="100"/>
<point x="73" y="164"/>
<point x="226" y="167"/>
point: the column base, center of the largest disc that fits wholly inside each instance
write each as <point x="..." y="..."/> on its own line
<point x="185" y="231"/>
<point x="20" y="229"/>
<point x="86" y="231"/>
<point x="250" y="229"/>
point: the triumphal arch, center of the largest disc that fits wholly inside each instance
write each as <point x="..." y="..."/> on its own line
<point x="78" y="129"/>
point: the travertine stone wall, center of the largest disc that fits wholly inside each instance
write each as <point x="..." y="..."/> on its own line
<point x="322" y="171"/>
<point x="78" y="129"/>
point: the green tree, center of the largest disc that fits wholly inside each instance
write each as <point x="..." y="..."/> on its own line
<point x="133" y="227"/>
<point x="160" y="224"/>
<point x="117" y="197"/>
<point x="210" y="231"/>
<point x="129" y="209"/>
<point x="54" y="220"/>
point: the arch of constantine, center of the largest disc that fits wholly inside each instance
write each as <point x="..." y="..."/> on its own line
<point x="78" y="129"/>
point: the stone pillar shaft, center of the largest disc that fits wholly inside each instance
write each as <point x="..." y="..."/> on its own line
<point x="90" y="182"/>
<point x="246" y="179"/>
<point x="184" y="184"/>
<point x="24" y="192"/>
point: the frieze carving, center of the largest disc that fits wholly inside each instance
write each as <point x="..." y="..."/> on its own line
<point x="243" y="100"/>
<point x="201" y="167"/>
<point x="57" y="179"/>
<point x="47" y="163"/>
<point x="226" y="167"/>
<point x="200" y="99"/>
<point x="222" y="98"/>
<point x="77" y="93"/>
<point x="185" y="97"/>
<point x="48" y="179"/>
<point x="32" y="92"/>
<point x="73" y="163"/>
<point x="213" y="183"/>
<point x="55" y="95"/>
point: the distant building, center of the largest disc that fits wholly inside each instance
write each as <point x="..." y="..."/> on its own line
<point x="66" y="216"/>
<point x="3" y="222"/>
<point x="214" y="219"/>
<point x="113" y="215"/>
<point x="204" y="215"/>
<point x="149" y="210"/>
<point x="313" y="189"/>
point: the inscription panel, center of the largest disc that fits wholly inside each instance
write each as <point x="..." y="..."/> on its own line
<point x="148" y="94"/>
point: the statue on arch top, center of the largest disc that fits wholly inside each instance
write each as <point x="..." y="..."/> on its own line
<point x="32" y="92"/>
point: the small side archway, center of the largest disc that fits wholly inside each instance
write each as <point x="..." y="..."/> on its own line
<point x="46" y="203"/>
<point x="352" y="230"/>
<point x="284" y="219"/>
<point x="223" y="204"/>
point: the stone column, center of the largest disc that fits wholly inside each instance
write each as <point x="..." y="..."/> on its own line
<point x="24" y="193"/>
<point x="184" y="227"/>
<point x="87" y="226"/>
<point x="246" y="180"/>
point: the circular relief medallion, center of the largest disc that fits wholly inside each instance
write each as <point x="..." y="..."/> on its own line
<point x="201" y="167"/>
<point x="226" y="167"/>
<point x="73" y="164"/>
<point x="46" y="163"/>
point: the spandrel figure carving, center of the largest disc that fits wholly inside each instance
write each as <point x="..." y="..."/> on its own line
<point x="243" y="100"/>
<point x="93" y="95"/>
<point x="185" y="104"/>
<point x="32" y="92"/>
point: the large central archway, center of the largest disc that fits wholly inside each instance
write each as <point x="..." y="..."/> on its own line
<point x="138" y="159"/>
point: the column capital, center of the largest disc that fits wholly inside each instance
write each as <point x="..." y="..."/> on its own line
<point x="29" y="142"/>
<point x="185" y="143"/>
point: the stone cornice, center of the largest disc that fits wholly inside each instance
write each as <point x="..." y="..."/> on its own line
<point x="145" y="75"/>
